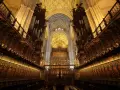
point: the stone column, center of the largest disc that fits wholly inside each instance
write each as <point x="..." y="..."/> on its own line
<point x="25" y="13"/>
<point x="48" y="46"/>
<point x="20" y="13"/>
<point x="89" y="14"/>
<point x="98" y="13"/>
<point x="90" y="19"/>
<point x="93" y="13"/>
<point x="24" y="17"/>
<point x="28" y="20"/>
<point x="70" y="47"/>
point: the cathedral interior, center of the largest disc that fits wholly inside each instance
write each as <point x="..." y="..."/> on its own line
<point x="59" y="44"/>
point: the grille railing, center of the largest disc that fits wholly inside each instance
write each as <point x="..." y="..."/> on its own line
<point x="107" y="19"/>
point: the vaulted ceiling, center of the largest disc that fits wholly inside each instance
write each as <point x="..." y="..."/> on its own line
<point x="59" y="21"/>
<point x="59" y="6"/>
<point x="59" y="40"/>
<point x="58" y="25"/>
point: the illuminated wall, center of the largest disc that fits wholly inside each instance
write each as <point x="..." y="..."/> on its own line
<point x="96" y="11"/>
<point x="13" y="5"/>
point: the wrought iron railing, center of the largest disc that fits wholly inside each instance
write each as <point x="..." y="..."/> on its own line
<point x="107" y="19"/>
<point x="107" y="38"/>
<point x="11" y="19"/>
<point x="13" y="37"/>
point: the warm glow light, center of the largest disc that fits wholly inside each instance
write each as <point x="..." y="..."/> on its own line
<point x="11" y="60"/>
<point x="108" y="60"/>
<point x="59" y="6"/>
<point x="59" y="39"/>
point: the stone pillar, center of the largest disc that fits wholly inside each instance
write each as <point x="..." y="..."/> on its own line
<point x="90" y="19"/>
<point x="24" y="17"/>
<point x="70" y="47"/>
<point x="48" y="46"/>
<point x="98" y="13"/>
<point x="28" y="20"/>
<point x="93" y="13"/>
<point x="20" y="13"/>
